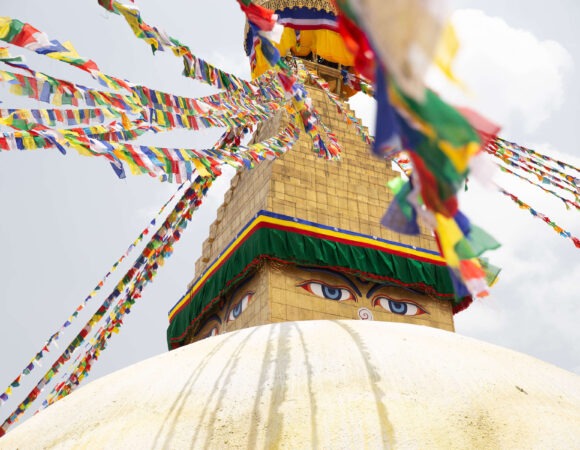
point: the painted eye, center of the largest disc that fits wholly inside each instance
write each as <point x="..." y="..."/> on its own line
<point x="212" y="324"/>
<point x="324" y="290"/>
<point x="239" y="307"/>
<point x="403" y="308"/>
<point x="213" y="332"/>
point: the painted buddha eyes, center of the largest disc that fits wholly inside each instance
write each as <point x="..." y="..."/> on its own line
<point x="239" y="307"/>
<point x="336" y="293"/>
<point x="403" y="308"/>
<point x="213" y="332"/>
<point x="376" y="294"/>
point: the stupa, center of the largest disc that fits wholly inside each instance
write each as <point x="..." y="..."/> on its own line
<point x="291" y="321"/>
<point x="300" y="238"/>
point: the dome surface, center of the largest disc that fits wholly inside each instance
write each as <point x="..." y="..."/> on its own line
<point x="320" y="384"/>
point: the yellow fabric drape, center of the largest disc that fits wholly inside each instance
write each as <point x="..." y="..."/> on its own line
<point x="325" y="43"/>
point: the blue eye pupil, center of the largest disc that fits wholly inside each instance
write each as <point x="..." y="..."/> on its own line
<point x="237" y="310"/>
<point x="398" y="307"/>
<point x="331" y="293"/>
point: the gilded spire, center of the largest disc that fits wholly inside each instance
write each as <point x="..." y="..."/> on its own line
<point x="320" y="5"/>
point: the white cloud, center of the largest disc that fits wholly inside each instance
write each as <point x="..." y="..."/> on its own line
<point x="531" y="312"/>
<point x="518" y="81"/>
<point x="511" y="76"/>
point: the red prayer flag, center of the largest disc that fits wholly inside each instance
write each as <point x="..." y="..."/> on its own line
<point x="26" y="36"/>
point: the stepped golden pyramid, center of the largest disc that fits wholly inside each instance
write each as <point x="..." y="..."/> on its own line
<point x="302" y="323"/>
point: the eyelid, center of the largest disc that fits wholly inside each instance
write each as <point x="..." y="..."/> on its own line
<point x="304" y="285"/>
<point x="401" y="300"/>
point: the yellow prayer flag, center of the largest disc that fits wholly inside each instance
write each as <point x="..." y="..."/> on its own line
<point x="108" y="113"/>
<point x="45" y="117"/>
<point x="29" y="143"/>
<point x="123" y="156"/>
<point x="4" y="26"/>
<point x="6" y="76"/>
<point x="125" y="121"/>
<point x="160" y="119"/>
<point x="57" y="98"/>
<point x="449" y="235"/>
<point x="200" y="168"/>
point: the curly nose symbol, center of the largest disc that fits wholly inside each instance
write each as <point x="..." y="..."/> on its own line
<point x="365" y="314"/>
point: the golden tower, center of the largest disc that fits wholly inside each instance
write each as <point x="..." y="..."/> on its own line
<point x="299" y="238"/>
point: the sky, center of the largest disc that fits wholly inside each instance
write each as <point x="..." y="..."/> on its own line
<point x="67" y="219"/>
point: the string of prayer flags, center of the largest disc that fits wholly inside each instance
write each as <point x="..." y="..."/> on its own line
<point x="42" y="87"/>
<point x="102" y="141"/>
<point x="59" y="92"/>
<point x="546" y="169"/>
<point x="504" y="144"/>
<point x="72" y="96"/>
<point x="310" y="119"/>
<point x="52" y="340"/>
<point x="159" y="40"/>
<point x="567" y="203"/>
<point x="440" y="143"/>
<point x="543" y="217"/>
<point x="61" y="117"/>
<point x="76" y="139"/>
<point x="164" y="163"/>
<point x="357" y="83"/>
<point x="349" y="118"/>
<point x="247" y="156"/>
<point x="155" y="162"/>
<point x="128" y="289"/>
<point x="140" y="95"/>
<point x="142" y="273"/>
<point x="24" y="35"/>
<point x="543" y="177"/>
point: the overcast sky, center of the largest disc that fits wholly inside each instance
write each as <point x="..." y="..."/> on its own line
<point x="67" y="219"/>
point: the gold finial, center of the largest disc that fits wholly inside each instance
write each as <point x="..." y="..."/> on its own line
<point x="320" y="5"/>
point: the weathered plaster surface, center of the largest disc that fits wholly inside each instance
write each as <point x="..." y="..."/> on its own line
<point x="320" y="384"/>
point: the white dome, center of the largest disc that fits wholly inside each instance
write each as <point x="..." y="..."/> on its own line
<point x="320" y="384"/>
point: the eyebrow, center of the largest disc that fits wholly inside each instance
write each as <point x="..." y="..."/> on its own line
<point x="334" y="273"/>
<point x="240" y="286"/>
<point x="377" y="286"/>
